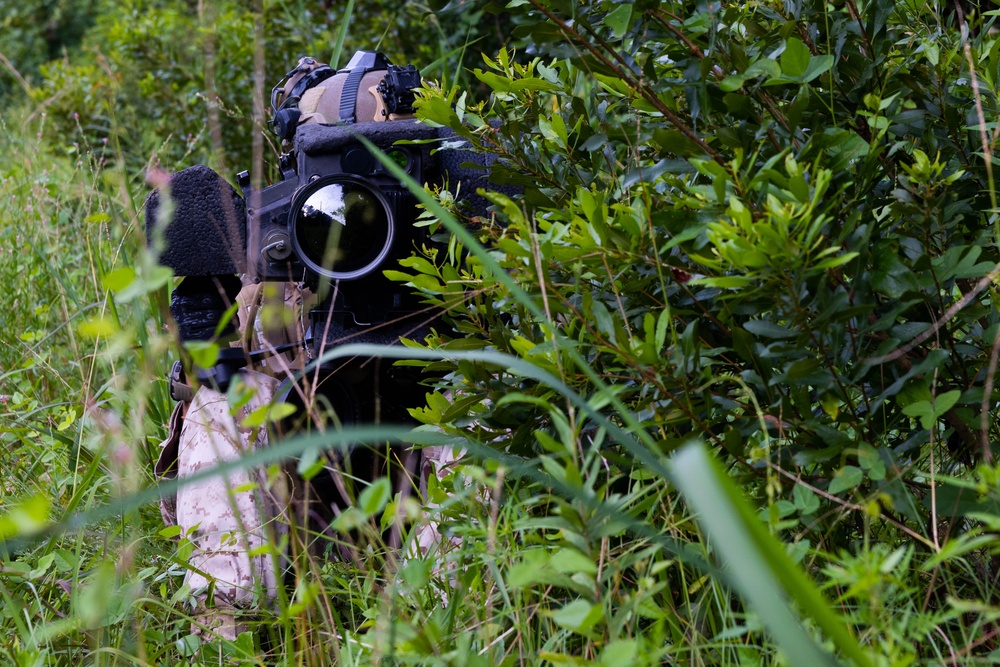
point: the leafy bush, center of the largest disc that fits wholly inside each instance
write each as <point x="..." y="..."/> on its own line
<point x="35" y="33"/>
<point x="771" y="228"/>
<point x="174" y="81"/>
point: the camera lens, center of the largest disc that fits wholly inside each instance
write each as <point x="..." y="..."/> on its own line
<point x="341" y="227"/>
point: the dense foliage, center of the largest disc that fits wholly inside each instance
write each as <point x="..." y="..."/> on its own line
<point x="767" y="233"/>
<point x="761" y="235"/>
<point x="36" y="33"/>
<point x="175" y="81"/>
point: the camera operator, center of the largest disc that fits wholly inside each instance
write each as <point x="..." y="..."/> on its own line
<point x="328" y="227"/>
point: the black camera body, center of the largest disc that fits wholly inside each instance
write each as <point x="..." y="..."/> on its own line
<point x="339" y="216"/>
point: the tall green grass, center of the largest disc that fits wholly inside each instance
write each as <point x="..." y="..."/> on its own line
<point x="87" y="573"/>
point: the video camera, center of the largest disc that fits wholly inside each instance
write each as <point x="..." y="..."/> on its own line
<point x="336" y="217"/>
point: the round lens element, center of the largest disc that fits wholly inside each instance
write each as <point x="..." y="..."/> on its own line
<point x="341" y="227"/>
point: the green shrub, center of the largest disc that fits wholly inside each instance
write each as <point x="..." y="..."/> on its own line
<point x="173" y="82"/>
<point x="32" y="34"/>
<point x="767" y="227"/>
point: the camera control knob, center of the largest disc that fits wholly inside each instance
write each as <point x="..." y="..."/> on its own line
<point x="277" y="246"/>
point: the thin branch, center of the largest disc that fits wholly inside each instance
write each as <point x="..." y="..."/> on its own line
<point x="852" y="9"/>
<point x="629" y="78"/>
<point x="851" y="506"/>
<point x="679" y="34"/>
<point x="16" y="74"/>
<point x="966" y="299"/>
<point x="981" y="117"/>
<point x="991" y="371"/>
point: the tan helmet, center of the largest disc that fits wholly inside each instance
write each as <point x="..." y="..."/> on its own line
<point x="369" y="89"/>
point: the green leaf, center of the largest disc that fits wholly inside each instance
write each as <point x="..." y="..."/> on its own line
<point x="531" y="569"/>
<point x="502" y="84"/>
<point x="571" y="561"/>
<point x="794" y="59"/>
<point x="375" y="496"/>
<point x="188" y="645"/>
<point x="118" y="279"/>
<point x="620" y="653"/>
<point x="66" y="561"/>
<point x="817" y="65"/>
<point x="766" y="329"/>
<point x="618" y="19"/>
<point x="806" y="501"/>
<point x="928" y="412"/>
<point x="834" y="262"/>
<point x="931" y="52"/>
<point x="946" y="401"/>
<point x="846" y="478"/>
<point x="578" y="616"/>
<point x="350" y="519"/>
<point x="278" y="411"/>
<point x="25" y="517"/>
<point x="958" y="547"/>
<point x="416" y="573"/>
<point x="170" y="532"/>
<point x="676" y="142"/>
<point x="310" y="464"/>
<point x="554" y="130"/>
<point x="869" y="460"/>
<point x="97" y="218"/>
<point x="732" y="83"/>
<point x="203" y="353"/>
<point x="255" y="419"/>
<point x="97" y="326"/>
<point x="724" y="282"/>
<point x="763" y="67"/>
<point x="159" y="276"/>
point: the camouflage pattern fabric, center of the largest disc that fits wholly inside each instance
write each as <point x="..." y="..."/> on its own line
<point x="270" y="316"/>
<point x="321" y="103"/>
<point x="166" y="465"/>
<point x="230" y="519"/>
<point x="427" y="539"/>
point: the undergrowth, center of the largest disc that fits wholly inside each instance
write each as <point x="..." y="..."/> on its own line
<point x="723" y="372"/>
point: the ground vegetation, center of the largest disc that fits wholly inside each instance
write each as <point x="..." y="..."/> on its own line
<point x="724" y="371"/>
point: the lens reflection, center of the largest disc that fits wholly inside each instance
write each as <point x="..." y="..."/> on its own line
<point x="343" y="229"/>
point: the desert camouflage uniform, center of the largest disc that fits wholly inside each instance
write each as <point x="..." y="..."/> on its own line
<point x="234" y="521"/>
<point x="231" y="520"/>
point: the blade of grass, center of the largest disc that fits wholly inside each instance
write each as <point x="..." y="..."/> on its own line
<point x="349" y="437"/>
<point x="759" y="565"/>
<point x="345" y="23"/>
